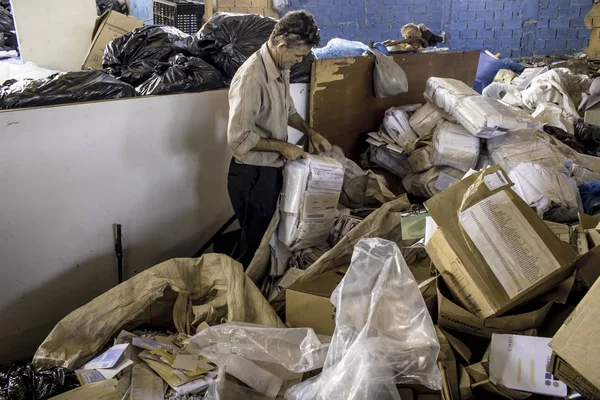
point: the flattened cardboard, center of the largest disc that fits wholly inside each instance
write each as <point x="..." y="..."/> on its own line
<point x="448" y="369"/>
<point x="462" y="265"/>
<point x="452" y="316"/>
<point x="307" y="303"/>
<point x="563" y="371"/>
<point x="464" y="384"/>
<point x="576" y="344"/>
<point x="109" y="26"/>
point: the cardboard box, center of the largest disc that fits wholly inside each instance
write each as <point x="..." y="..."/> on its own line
<point x="109" y="26"/>
<point x="577" y="354"/>
<point x="500" y="253"/>
<point x="307" y="303"/>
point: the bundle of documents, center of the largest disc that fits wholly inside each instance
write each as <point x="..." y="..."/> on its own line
<point x="310" y="195"/>
<point x="397" y="127"/>
<point x="396" y="163"/>
<point x="302" y="259"/>
<point x="453" y="146"/>
<point x="420" y="159"/>
<point x="343" y="225"/>
<point x="445" y="93"/>
<point x="487" y="118"/>
<point x="433" y="181"/>
<point x="425" y="119"/>
<point x="554" y="195"/>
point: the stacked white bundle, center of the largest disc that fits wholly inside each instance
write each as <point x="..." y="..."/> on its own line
<point x="445" y="93"/>
<point x="425" y="119"/>
<point x="453" y="146"/>
<point x="310" y="195"/>
<point x="420" y="160"/>
<point x="487" y="118"/>
<point x="397" y="127"/>
<point x="554" y="195"/>
<point x="433" y="181"/>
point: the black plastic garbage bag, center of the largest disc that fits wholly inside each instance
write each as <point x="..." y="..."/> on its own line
<point x="64" y="87"/>
<point x="227" y="39"/>
<point x="7" y="23"/>
<point x="23" y="382"/>
<point x="300" y="73"/>
<point x="182" y="74"/>
<point x="589" y="137"/>
<point x="133" y="57"/>
<point x="115" y="5"/>
<point x="564" y="137"/>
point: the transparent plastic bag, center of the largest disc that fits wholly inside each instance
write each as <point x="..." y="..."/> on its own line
<point x="257" y="361"/>
<point x="389" y="79"/>
<point x="384" y="335"/>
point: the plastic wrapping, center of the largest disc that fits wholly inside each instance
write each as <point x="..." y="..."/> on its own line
<point x="589" y="136"/>
<point x="7" y="23"/>
<point x="182" y="74"/>
<point x="300" y="73"/>
<point x="23" y="382"/>
<point x="227" y="40"/>
<point x="310" y="194"/>
<point x="395" y="163"/>
<point x="397" y="126"/>
<point x="497" y="90"/>
<point x="435" y="180"/>
<point x="383" y="336"/>
<point x="420" y="159"/>
<point x="61" y="88"/>
<point x="133" y="56"/>
<point x="582" y="175"/>
<point x="338" y="48"/>
<point x="115" y="5"/>
<point x="261" y="359"/>
<point x="554" y="195"/>
<point x="445" y="93"/>
<point x="553" y="115"/>
<point x="564" y="137"/>
<point x="425" y="119"/>
<point x="487" y="118"/>
<point x="453" y="146"/>
<point x="389" y="79"/>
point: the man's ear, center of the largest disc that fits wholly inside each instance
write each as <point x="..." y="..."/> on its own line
<point x="282" y="46"/>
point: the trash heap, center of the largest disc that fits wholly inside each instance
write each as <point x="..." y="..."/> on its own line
<point x="152" y="60"/>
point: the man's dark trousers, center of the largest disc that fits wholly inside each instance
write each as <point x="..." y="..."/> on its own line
<point x="254" y="192"/>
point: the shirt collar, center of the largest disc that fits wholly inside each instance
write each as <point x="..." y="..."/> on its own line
<point x="272" y="71"/>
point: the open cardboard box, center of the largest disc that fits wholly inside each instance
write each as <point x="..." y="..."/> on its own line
<point x="493" y="251"/>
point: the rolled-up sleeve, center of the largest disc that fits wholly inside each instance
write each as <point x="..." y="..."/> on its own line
<point x="244" y="106"/>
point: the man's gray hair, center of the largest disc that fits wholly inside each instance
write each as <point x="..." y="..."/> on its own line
<point x="296" y="28"/>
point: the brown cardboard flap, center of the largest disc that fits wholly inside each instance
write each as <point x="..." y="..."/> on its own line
<point x="564" y="372"/>
<point x="448" y="369"/>
<point x="322" y="285"/>
<point x="458" y="346"/>
<point x="477" y="372"/>
<point x="588" y="267"/>
<point x="464" y="384"/>
<point x="588" y="221"/>
<point x="500" y="391"/>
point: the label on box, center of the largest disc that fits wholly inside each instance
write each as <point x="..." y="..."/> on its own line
<point x="319" y="205"/>
<point x="508" y="243"/>
<point x="495" y="180"/>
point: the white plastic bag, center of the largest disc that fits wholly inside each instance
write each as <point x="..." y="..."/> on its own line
<point x="454" y="147"/>
<point x="383" y="336"/>
<point x="389" y="79"/>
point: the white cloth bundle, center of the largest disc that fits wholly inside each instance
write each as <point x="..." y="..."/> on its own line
<point x="487" y="118"/>
<point x="420" y="160"/>
<point x="445" y="93"/>
<point x="454" y="147"/>
<point x="310" y="195"/>
<point x="425" y="119"/>
<point x="397" y="126"/>
<point x="554" y="195"/>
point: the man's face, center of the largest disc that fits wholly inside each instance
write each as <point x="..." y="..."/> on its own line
<point x="288" y="56"/>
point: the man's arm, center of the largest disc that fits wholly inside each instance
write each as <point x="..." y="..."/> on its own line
<point x="288" y="150"/>
<point x="318" y="141"/>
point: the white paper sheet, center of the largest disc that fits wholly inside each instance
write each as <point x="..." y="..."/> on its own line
<point x="108" y="359"/>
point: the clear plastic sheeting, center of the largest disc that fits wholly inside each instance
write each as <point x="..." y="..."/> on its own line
<point x="383" y="336"/>
<point x="454" y="147"/>
<point x="445" y="93"/>
<point x="397" y="126"/>
<point x="487" y="118"/>
<point x="420" y="159"/>
<point x="554" y="195"/>
<point x="257" y="362"/>
<point x="425" y="119"/>
<point x="311" y="191"/>
<point x="553" y="115"/>
<point x="389" y="79"/>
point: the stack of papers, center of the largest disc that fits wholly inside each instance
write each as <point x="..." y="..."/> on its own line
<point x="302" y="259"/>
<point x="390" y="160"/>
<point x="397" y="127"/>
<point x="432" y="182"/>
<point x="445" y="93"/>
<point x="420" y="159"/>
<point x="425" y="119"/>
<point x="454" y="147"/>
<point x="310" y="195"/>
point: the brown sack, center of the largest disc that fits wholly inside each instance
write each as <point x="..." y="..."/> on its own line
<point x="168" y="291"/>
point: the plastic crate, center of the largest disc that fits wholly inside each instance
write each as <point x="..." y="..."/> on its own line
<point x="185" y="15"/>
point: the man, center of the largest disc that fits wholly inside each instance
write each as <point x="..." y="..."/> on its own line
<point x="261" y="109"/>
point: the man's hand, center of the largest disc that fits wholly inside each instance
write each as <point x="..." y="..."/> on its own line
<point x="292" y="152"/>
<point x="319" y="143"/>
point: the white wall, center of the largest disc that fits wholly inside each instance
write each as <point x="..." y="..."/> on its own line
<point x="156" y="165"/>
<point x="55" y="34"/>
